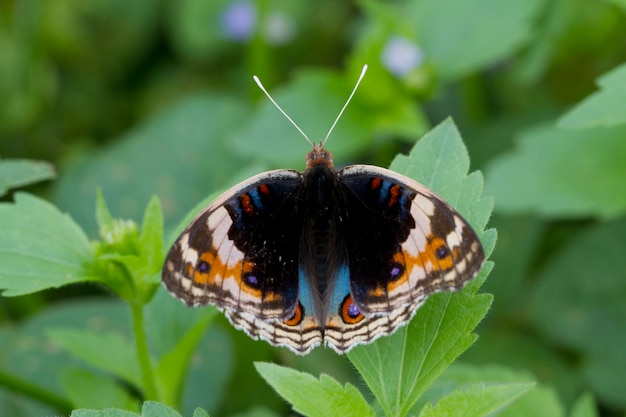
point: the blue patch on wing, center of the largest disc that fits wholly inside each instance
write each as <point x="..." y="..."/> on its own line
<point x="384" y="191"/>
<point x="341" y="288"/>
<point x="306" y="299"/>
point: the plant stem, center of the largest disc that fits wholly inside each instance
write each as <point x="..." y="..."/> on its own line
<point x="27" y="389"/>
<point x="143" y="355"/>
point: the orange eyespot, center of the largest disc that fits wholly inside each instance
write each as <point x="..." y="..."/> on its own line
<point x="350" y="312"/>
<point x="440" y="255"/>
<point x="297" y="317"/>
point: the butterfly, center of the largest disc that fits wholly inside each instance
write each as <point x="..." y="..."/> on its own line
<point x="324" y="256"/>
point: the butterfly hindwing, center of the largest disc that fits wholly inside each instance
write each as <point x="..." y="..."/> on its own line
<point x="241" y="252"/>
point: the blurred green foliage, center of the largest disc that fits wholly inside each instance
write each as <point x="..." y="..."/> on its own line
<point x="148" y="97"/>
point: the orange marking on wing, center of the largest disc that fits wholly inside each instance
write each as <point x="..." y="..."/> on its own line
<point x="375" y="183"/>
<point x="297" y="317"/>
<point x="189" y="270"/>
<point x="264" y="189"/>
<point x="399" y="259"/>
<point x="204" y="278"/>
<point x="377" y="292"/>
<point x="395" y="193"/>
<point x="429" y="255"/>
<point x="246" y="203"/>
<point x="345" y="312"/>
<point x="219" y="271"/>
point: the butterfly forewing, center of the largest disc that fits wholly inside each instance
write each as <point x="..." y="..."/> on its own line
<point x="241" y="252"/>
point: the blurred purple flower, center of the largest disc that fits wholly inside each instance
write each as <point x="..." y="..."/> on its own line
<point x="401" y="55"/>
<point x="239" y="19"/>
<point x="279" y="28"/>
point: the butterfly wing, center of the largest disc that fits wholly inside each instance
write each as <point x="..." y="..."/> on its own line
<point x="241" y="252"/>
<point x="404" y="243"/>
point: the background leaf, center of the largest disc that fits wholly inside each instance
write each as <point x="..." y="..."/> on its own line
<point x="584" y="407"/>
<point x="313" y="397"/>
<point x="483" y="44"/>
<point x="107" y="351"/>
<point x="27" y="351"/>
<point x="40" y="247"/>
<point x="17" y="173"/>
<point x="108" y="412"/>
<point x="87" y="389"/>
<point x="538" y="399"/>
<point x="530" y="179"/>
<point x="588" y="315"/>
<point x="477" y="400"/>
<point x="603" y="108"/>
<point x="187" y="159"/>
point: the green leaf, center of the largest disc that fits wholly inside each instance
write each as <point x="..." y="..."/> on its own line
<point x="312" y="397"/>
<point x="155" y="409"/>
<point x="585" y="406"/>
<point x="604" y="108"/>
<point x="40" y="247"/>
<point x="581" y="305"/>
<point x="537" y="177"/>
<point x="103" y="214"/>
<point x="151" y="237"/>
<point x="130" y="261"/>
<point x="398" y="369"/>
<point x="502" y="344"/>
<point x="185" y="353"/>
<point x="108" y="412"/>
<point x="440" y="24"/>
<point x="199" y="412"/>
<point x="149" y="409"/>
<point x="542" y="400"/>
<point x="27" y="352"/>
<point x="477" y="400"/>
<point x="463" y="376"/>
<point x="86" y="389"/>
<point x="16" y="173"/>
<point x="107" y="351"/>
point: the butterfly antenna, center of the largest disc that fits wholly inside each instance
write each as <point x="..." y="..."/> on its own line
<point x="258" y="82"/>
<point x="346" y="105"/>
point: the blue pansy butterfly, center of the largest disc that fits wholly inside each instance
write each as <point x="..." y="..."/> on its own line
<point x="324" y="256"/>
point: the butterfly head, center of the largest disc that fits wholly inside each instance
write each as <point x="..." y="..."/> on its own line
<point x="319" y="156"/>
